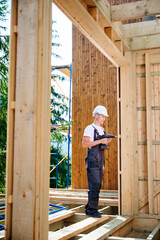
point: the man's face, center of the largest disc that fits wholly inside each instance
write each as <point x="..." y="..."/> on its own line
<point x="100" y="118"/>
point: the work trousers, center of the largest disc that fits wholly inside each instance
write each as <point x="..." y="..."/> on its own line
<point x="94" y="176"/>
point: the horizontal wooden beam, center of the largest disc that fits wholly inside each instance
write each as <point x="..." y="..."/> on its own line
<point x="140" y="29"/>
<point x="134" y="10"/>
<point x="105" y="8"/>
<point x="82" y="200"/>
<point x="146" y="42"/>
<point x="81" y="18"/>
<point x="76" y="228"/>
<point x="107" y="229"/>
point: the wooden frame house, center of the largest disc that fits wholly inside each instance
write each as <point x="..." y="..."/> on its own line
<point x="116" y="62"/>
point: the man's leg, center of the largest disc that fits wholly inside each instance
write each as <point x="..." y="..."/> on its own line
<point x="94" y="183"/>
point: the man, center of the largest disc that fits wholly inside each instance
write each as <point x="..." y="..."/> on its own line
<point x="95" y="159"/>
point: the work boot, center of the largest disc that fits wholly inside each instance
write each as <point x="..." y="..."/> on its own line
<point x="95" y="214"/>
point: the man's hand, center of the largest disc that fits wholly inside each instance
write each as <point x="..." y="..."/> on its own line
<point x="106" y="140"/>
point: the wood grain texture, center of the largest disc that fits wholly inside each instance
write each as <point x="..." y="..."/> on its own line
<point x="93" y="84"/>
<point x="30" y="79"/>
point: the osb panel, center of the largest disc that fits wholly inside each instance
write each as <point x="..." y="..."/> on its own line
<point x="93" y="84"/>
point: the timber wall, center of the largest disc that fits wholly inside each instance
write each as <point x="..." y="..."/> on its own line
<point x="94" y="83"/>
<point x="146" y="72"/>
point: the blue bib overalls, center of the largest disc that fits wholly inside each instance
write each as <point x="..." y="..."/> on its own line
<point x="95" y="165"/>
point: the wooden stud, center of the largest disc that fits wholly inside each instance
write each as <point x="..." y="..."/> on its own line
<point x="149" y="135"/>
<point x="134" y="140"/>
<point x="11" y="119"/>
<point x="126" y="189"/>
<point x="29" y="129"/>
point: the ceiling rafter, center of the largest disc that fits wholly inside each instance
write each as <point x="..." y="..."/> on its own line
<point x="101" y="24"/>
<point x="140" y="29"/>
<point x="135" y="10"/>
<point x="77" y="12"/>
<point x="146" y="42"/>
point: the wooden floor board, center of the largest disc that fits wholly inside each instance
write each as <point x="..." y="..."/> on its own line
<point x="60" y="216"/>
<point x="107" y="229"/>
<point x="74" y="229"/>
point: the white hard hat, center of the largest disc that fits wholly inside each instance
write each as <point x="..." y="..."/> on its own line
<point x="100" y="110"/>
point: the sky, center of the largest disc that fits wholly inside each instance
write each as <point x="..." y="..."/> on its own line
<point x="64" y="28"/>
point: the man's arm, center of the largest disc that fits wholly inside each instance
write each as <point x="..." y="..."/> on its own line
<point x="86" y="143"/>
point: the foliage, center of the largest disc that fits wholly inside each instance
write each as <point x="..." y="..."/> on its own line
<point x="59" y="113"/>
<point x="61" y="169"/>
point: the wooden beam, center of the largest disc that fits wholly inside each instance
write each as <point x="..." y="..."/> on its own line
<point x="60" y="216"/>
<point x="140" y="29"/>
<point x="126" y="176"/>
<point x="134" y="139"/>
<point x="134" y="10"/>
<point x="28" y="175"/>
<point x="146" y="42"/>
<point x="149" y="133"/>
<point x="155" y="234"/>
<point x="105" y="8"/>
<point x="11" y="119"/>
<point x="122" y="238"/>
<point x="144" y="200"/>
<point x="107" y="229"/>
<point x="76" y="228"/>
<point x="82" y="200"/>
<point x="89" y="27"/>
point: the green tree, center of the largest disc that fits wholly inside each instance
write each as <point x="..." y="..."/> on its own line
<point x="59" y="107"/>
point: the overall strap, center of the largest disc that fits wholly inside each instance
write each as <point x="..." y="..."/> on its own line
<point x="96" y="133"/>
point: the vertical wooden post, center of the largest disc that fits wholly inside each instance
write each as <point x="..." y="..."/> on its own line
<point x="11" y="119"/>
<point x="134" y="139"/>
<point x="149" y="133"/>
<point x="126" y="183"/>
<point x="119" y="140"/>
<point x="27" y="216"/>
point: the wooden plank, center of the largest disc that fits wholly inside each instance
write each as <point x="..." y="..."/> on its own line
<point x="87" y="25"/>
<point x="144" y="200"/>
<point x="135" y="10"/>
<point x="11" y="118"/>
<point x="98" y="85"/>
<point x="141" y="28"/>
<point x="2" y="234"/>
<point x="76" y="228"/>
<point x="155" y="234"/>
<point x="146" y="42"/>
<point x="126" y="187"/>
<point x="149" y="136"/>
<point x="105" y="8"/>
<point x="119" y="141"/>
<point x="32" y="73"/>
<point x="60" y="216"/>
<point x="77" y="200"/>
<point x="123" y="238"/>
<point x="107" y="229"/>
<point x="134" y="140"/>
